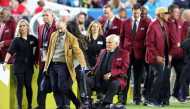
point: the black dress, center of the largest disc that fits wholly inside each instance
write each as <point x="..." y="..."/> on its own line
<point x="94" y="48"/>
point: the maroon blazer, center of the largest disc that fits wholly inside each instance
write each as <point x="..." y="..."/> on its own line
<point x="40" y="33"/>
<point x="119" y="66"/>
<point x="155" y="42"/>
<point x="137" y="42"/>
<point x="175" y="34"/>
<point x="115" y="27"/>
<point x="7" y="36"/>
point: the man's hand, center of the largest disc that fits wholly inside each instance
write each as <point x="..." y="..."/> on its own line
<point x="107" y="76"/>
<point x="160" y="59"/>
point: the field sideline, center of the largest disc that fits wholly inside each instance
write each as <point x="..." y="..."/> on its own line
<point x="8" y="94"/>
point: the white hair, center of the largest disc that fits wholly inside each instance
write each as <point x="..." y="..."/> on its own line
<point x="113" y="37"/>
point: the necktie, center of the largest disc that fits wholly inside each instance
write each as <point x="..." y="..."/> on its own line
<point x="134" y="27"/>
<point x="45" y="35"/>
<point x="108" y="25"/>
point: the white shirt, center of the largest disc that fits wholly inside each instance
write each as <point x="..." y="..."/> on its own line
<point x="137" y="22"/>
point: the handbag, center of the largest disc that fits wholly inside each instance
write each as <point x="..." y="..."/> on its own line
<point x="45" y="85"/>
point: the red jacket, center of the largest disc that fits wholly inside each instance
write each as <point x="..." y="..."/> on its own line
<point x="4" y="3"/>
<point x="155" y="42"/>
<point x="7" y="36"/>
<point x="115" y="27"/>
<point x="137" y="42"/>
<point x="120" y="63"/>
<point x="40" y="32"/>
<point x="175" y="34"/>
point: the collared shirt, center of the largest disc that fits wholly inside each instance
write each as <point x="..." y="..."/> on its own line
<point x="24" y="50"/>
<point x="110" y="23"/>
<point x="137" y="22"/>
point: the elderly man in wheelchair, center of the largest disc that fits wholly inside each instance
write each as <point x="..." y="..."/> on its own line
<point x="108" y="75"/>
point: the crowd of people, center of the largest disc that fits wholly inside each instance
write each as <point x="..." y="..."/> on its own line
<point x="110" y="51"/>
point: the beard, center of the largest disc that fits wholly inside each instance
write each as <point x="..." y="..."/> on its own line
<point x="81" y="22"/>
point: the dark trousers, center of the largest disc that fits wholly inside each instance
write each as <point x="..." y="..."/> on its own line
<point x="80" y="82"/>
<point x="41" y="96"/>
<point x="178" y="66"/>
<point x="184" y="81"/>
<point x="148" y="80"/>
<point x="24" y="79"/>
<point x="107" y="87"/>
<point x="61" y="84"/>
<point x="138" y="70"/>
<point x="160" y="89"/>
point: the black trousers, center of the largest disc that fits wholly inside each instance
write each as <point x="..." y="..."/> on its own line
<point x="24" y="79"/>
<point x="138" y="70"/>
<point x="178" y="66"/>
<point x="160" y="89"/>
<point x="148" y="80"/>
<point x="108" y="87"/>
<point x="41" y="96"/>
<point x="184" y="80"/>
<point x="61" y="84"/>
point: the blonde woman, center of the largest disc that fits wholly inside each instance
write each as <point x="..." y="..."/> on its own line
<point x="96" y="42"/>
<point x="22" y="47"/>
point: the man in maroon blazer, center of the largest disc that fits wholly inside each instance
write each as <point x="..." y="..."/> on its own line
<point x="44" y="33"/>
<point x="7" y="30"/>
<point x="110" y="70"/>
<point x="158" y="56"/>
<point x="134" y="32"/>
<point x="113" y="24"/>
<point x="185" y="75"/>
<point x="175" y="25"/>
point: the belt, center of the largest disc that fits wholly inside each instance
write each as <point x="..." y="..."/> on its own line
<point x="57" y="63"/>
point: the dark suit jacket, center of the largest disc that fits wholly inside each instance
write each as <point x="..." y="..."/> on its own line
<point x="72" y="27"/>
<point x="40" y="33"/>
<point x="155" y="42"/>
<point x="137" y="42"/>
<point x="119" y="65"/>
<point x="7" y="36"/>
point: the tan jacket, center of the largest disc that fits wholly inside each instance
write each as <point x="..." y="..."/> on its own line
<point x="72" y="50"/>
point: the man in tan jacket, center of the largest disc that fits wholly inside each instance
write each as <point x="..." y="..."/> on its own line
<point x="62" y="50"/>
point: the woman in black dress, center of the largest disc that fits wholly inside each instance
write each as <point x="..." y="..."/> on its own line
<point x="23" y="47"/>
<point x="96" y="42"/>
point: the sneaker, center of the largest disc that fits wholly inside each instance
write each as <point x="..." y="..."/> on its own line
<point x="137" y="102"/>
<point x="145" y="102"/>
<point x="165" y="103"/>
<point x="152" y="104"/>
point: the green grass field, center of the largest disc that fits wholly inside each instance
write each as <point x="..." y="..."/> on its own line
<point x="8" y="97"/>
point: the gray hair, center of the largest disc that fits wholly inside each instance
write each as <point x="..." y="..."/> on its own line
<point x="186" y="14"/>
<point x="48" y="10"/>
<point x="113" y="37"/>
